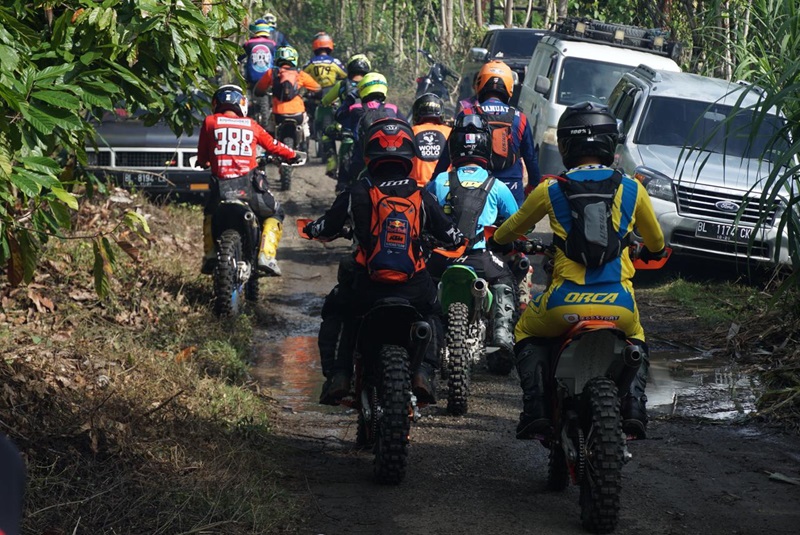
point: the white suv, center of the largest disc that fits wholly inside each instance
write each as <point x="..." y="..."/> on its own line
<point x="703" y="171"/>
<point x="567" y="68"/>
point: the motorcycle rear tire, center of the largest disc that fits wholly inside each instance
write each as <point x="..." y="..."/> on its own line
<point x="286" y="170"/>
<point x="458" y="359"/>
<point x="227" y="290"/>
<point x="602" y="480"/>
<point x="391" y="447"/>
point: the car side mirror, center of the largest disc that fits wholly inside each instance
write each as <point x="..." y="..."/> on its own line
<point x="542" y="85"/>
<point x="620" y="128"/>
<point x="478" y="54"/>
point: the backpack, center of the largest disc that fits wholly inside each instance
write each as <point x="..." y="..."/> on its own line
<point x="395" y="255"/>
<point x="465" y="205"/>
<point x="591" y="239"/>
<point x="285" y="84"/>
<point x="502" y="137"/>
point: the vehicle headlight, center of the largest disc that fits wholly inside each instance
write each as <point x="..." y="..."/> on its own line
<point x="549" y="136"/>
<point x="657" y="184"/>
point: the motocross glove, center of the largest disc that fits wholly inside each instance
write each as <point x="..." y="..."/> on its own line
<point x="645" y="255"/>
<point x="498" y="248"/>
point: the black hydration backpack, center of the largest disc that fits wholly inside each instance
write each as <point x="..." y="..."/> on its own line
<point x="592" y="239"/>
<point x="465" y="205"/>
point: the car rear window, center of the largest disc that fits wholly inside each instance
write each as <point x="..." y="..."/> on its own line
<point x="515" y="44"/>
<point x="691" y="123"/>
<point x="586" y="79"/>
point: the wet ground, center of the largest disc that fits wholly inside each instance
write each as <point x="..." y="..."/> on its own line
<point x="699" y="472"/>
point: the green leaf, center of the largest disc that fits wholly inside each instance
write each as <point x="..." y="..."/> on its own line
<point x="134" y="221"/>
<point x="62" y="99"/>
<point x="38" y="119"/>
<point x="61" y="214"/>
<point x="8" y="58"/>
<point x="101" y="269"/>
<point x="41" y="164"/>
<point x="53" y="72"/>
<point x="45" y="180"/>
<point x="89" y="57"/>
<point x="27" y="186"/>
<point x="66" y="197"/>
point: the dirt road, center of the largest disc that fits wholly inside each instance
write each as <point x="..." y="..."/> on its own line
<point x="469" y="474"/>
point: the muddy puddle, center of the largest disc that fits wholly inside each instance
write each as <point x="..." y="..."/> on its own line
<point x="699" y="386"/>
<point x="289" y="371"/>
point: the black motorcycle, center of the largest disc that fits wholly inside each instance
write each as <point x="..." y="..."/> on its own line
<point x="434" y="80"/>
<point x="291" y="133"/>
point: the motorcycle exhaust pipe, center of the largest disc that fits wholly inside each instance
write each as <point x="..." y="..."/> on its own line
<point x="421" y="334"/>
<point x="632" y="357"/>
<point x="480" y="288"/>
<point x="520" y="267"/>
<point x="249" y="216"/>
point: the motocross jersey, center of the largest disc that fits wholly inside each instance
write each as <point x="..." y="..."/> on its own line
<point x="325" y="69"/>
<point x="579" y="292"/>
<point x="430" y="139"/>
<point x="259" y="52"/>
<point x="228" y="144"/>
<point x="294" y="106"/>
<point x="521" y="144"/>
<point x="499" y="203"/>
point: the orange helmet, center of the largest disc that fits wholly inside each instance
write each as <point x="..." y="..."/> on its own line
<point x="497" y="77"/>
<point x="322" y="40"/>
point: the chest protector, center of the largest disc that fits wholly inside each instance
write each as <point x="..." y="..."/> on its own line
<point x="285" y="84"/>
<point x="395" y="254"/>
<point x="502" y="137"/>
<point x="591" y="239"/>
<point x="465" y="205"/>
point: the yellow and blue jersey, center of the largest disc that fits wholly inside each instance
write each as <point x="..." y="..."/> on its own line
<point x="325" y="69"/>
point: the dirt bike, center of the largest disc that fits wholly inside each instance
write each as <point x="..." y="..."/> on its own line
<point x="293" y="134"/>
<point x="466" y="300"/>
<point x="237" y="235"/>
<point x="591" y="367"/>
<point x="434" y="80"/>
<point x="390" y="343"/>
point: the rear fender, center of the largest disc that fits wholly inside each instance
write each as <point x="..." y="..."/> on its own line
<point x="457" y="286"/>
<point x="387" y="323"/>
<point x="288" y="128"/>
<point x="592" y="349"/>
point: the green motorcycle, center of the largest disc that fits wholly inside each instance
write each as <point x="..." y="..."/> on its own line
<point x="466" y="302"/>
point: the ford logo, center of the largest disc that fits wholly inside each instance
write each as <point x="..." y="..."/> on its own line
<point x="726" y="206"/>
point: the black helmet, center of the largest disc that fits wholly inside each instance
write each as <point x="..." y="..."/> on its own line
<point x="587" y="129"/>
<point x="428" y="106"/>
<point x="470" y="141"/>
<point x="358" y="64"/>
<point x="230" y="98"/>
<point x="389" y="140"/>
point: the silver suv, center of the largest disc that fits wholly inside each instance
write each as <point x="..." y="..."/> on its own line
<point x="704" y="174"/>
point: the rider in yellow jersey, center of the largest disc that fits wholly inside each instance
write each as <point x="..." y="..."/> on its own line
<point x="587" y="137"/>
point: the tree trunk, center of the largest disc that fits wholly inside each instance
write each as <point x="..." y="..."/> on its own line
<point x="562" y="9"/>
<point x="508" y="18"/>
<point x="478" y="13"/>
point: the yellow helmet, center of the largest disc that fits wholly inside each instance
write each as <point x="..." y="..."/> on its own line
<point x="373" y="83"/>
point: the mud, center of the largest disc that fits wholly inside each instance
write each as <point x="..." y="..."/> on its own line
<point x="699" y="472"/>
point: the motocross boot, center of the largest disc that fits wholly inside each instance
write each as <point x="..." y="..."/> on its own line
<point x="532" y="361"/>
<point x="270" y="236"/>
<point x="634" y="409"/>
<point x="209" y="254"/>
<point x="501" y="362"/>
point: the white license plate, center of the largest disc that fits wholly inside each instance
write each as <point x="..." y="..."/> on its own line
<point x="723" y="232"/>
<point x="143" y="180"/>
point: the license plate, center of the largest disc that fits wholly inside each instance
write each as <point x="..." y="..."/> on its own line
<point x="143" y="180"/>
<point x="723" y="232"/>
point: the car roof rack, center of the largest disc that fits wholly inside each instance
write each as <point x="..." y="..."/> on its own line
<point x="757" y="88"/>
<point x="648" y="73"/>
<point x="653" y="40"/>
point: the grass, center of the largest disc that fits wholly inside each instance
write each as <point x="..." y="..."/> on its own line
<point x="713" y="303"/>
<point x="137" y="413"/>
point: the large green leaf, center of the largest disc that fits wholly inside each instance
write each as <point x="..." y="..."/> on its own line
<point x="62" y="99"/>
<point x="53" y="72"/>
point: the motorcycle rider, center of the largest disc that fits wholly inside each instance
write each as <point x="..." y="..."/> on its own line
<point x="372" y="89"/>
<point x="587" y="136"/>
<point x="258" y="51"/>
<point x="286" y="81"/>
<point x="493" y="86"/>
<point x="430" y="135"/>
<point x="474" y="199"/>
<point x="275" y="34"/>
<point x="388" y="153"/>
<point x="227" y="144"/>
<point x="326" y="70"/>
<point x="346" y="92"/>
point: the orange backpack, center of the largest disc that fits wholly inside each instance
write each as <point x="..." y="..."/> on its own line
<point x="396" y="255"/>
<point x="503" y="155"/>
